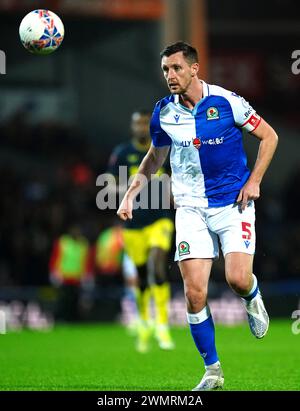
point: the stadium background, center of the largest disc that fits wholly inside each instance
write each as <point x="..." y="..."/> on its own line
<point x="61" y="116"/>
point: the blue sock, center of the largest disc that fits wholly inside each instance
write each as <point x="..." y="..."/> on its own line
<point x="203" y="332"/>
<point x="253" y="291"/>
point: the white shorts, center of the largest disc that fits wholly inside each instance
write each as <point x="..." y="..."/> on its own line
<point x="198" y="230"/>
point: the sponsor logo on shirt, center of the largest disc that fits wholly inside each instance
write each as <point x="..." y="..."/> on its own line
<point x="197" y="142"/>
<point x="212" y="113"/>
<point x="248" y="113"/>
<point x="185" y="143"/>
<point x="213" y="141"/>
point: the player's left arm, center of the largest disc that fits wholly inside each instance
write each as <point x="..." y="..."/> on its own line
<point x="268" y="143"/>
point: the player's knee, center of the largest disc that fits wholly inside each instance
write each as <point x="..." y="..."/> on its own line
<point x="195" y="298"/>
<point x="239" y="282"/>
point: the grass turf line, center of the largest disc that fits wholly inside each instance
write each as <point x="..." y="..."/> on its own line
<point x="103" y="358"/>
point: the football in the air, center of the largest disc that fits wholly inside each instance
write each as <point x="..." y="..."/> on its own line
<point x="41" y="31"/>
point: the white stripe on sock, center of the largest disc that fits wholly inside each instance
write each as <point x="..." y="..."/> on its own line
<point x="253" y="287"/>
<point x="198" y="317"/>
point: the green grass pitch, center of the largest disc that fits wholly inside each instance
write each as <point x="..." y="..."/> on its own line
<point x="102" y="358"/>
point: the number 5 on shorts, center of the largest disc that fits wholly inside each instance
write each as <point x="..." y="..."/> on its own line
<point x="246" y="230"/>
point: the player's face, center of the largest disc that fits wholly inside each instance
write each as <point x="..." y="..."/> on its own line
<point x="140" y="126"/>
<point x="177" y="72"/>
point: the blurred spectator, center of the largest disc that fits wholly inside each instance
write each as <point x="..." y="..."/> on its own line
<point x="108" y="255"/>
<point x="69" y="268"/>
<point x="46" y="171"/>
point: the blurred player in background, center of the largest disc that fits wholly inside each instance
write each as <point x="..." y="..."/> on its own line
<point x="147" y="241"/>
<point x="131" y="278"/>
<point x="213" y="189"/>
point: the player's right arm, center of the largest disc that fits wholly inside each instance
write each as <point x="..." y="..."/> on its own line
<point x="153" y="160"/>
<point x="246" y="118"/>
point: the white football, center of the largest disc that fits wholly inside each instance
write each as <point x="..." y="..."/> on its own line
<point x="41" y="31"/>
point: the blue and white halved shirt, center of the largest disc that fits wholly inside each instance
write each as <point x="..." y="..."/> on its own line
<point x="208" y="161"/>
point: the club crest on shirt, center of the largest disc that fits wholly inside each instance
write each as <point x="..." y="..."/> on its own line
<point x="212" y="113"/>
<point x="183" y="248"/>
<point x="197" y="142"/>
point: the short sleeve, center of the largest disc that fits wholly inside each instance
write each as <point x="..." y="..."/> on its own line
<point x="159" y="137"/>
<point x="244" y="115"/>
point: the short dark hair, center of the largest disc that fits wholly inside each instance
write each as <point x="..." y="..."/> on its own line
<point x="188" y="51"/>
